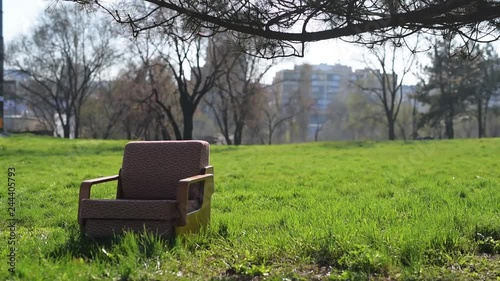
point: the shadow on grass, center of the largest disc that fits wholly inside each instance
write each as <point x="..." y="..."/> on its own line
<point x="61" y="151"/>
<point x="359" y="260"/>
<point x="348" y="145"/>
<point x="488" y="239"/>
<point x="225" y="148"/>
<point x="144" y="244"/>
<point x="229" y="277"/>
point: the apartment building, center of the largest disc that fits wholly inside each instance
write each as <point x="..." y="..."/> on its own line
<point x="313" y="87"/>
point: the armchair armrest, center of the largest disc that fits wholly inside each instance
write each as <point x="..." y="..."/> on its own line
<point x="86" y="184"/>
<point x="85" y="189"/>
<point x="183" y="193"/>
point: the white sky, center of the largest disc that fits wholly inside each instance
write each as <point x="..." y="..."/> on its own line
<point x="20" y="15"/>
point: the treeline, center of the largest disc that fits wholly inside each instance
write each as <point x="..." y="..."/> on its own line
<point x="458" y="95"/>
<point x="88" y="77"/>
<point x="460" y="88"/>
<point x="164" y="88"/>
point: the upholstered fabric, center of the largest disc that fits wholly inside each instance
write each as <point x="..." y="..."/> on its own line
<point x="152" y="170"/>
<point x="132" y="209"/>
<point x="98" y="228"/>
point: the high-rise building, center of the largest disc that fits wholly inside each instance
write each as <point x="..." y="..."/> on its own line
<point x="315" y="87"/>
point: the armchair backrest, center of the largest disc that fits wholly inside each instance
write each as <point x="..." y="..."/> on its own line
<point x="152" y="169"/>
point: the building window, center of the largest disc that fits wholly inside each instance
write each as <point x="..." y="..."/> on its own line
<point x="318" y="95"/>
<point x="332" y="89"/>
<point x="322" y="104"/>
<point x="315" y="77"/>
<point x="318" y="89"/>
<point x="334" y="83"/>
<point x="332" y="77"/>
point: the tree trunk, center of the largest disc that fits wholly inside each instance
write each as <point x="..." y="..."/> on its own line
<point x="128" y="130"/>
<point x="480" y="129"/>
<point x="485" y="115"/>
<point x="414" y="119"/>
<point x="187" y="113"/>
<point x="403" y="132"/>
<point x="77" y="126"/>
<point x="238" y="133"/>
<point x="391" y="131"/>
<point x="316" y="132"/>
<point x="225" y="128"/>
<point x="66" y="130"/>
<point x="164" y="133"/>
<point x="270" y="137"/>
<point x="170" y="116"/>
<point x="448" y="127"/>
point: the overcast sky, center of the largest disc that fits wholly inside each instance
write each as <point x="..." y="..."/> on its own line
<point x="19" y="16"/>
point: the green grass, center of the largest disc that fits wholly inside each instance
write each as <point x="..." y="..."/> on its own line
<point x="421" y="210"/>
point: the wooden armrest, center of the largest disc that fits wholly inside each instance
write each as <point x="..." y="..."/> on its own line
<point x="195" y="179"/>
<point x="183" y="193"/>
<point x="86" y="184"/>
<point x="85" y="189"/>
<point x="101" y="180"/>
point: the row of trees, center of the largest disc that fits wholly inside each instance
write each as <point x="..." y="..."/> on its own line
<point x="457" y="94"/>
<point x="167" y="85"/>
<point x="62" y="59"/>
<point x="164" y="87"/>
<point x="456" y="87"/>
<point x="455" y="91"/>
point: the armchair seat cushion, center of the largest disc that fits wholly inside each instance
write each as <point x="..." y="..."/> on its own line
<point x="127" y="209"/>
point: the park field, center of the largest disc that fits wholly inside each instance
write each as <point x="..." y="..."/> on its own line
<point x="419" y="210"/>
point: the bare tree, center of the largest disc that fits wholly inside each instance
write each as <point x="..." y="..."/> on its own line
<point x="337" y="127"/>
<point x="388" y="85"/>
<point x="282" y="27"/>
<point x="43" y="112"/>
<point x="365" y="117"/>
<point x="319" y="124"/>
<point x="195" y="68"/>
<point x="102" y="113"/>
<point x="234" y="95"/>
<point x="279" y="110"/>
<point x="303" y="96"/>
<point x="154" y="83"/>
<point x="414" y="111"/>
<point x="63" y="57"/>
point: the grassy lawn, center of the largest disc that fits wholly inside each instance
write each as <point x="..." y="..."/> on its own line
<point x="420" y="210"/>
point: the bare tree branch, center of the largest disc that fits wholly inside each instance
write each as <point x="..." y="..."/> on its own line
<point x="281" y="27"/>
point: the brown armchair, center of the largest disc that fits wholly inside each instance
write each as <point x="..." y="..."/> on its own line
<point x="163" y="186"/>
